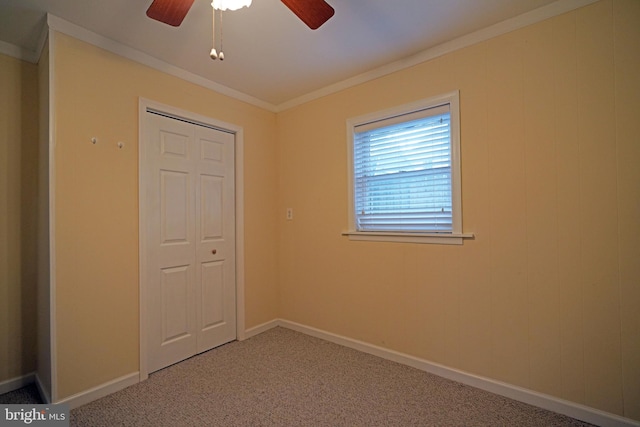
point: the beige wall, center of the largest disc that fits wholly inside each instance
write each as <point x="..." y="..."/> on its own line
<point x="96" y="206"/>
<point x="547" y="295"/>
<point x="18" y="226"/>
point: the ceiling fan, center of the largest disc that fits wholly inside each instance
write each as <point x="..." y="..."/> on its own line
<point x="314" y="13"/>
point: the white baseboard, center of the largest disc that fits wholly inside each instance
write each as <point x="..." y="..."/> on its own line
<point x="257" y="330"/>
<point x="16" y="383"/>
<point x="44" y="394"/>
<point x="102" y="390"/>
<point x="551" y="403"/>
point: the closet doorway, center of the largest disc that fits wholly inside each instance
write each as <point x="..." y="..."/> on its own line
<point x="188" y="238"/>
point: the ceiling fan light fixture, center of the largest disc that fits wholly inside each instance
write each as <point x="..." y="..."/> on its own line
<point x="230" y="4"/>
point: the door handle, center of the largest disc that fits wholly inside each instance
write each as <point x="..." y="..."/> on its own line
<point x="214" y="251"/>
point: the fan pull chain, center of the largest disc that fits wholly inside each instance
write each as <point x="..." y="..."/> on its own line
<point x="221" y="55"/>
<point x="214" y="53"/>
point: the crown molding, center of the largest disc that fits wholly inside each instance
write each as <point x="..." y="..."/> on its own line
<point x="17" y="52"/>
<point x="32" y="56"/>
<point x="60" y="25"/>
<point x="546" y="12"/>
<point x="65" y="27"/>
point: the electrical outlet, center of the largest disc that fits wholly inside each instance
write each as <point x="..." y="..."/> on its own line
<point x="289" y="214"/>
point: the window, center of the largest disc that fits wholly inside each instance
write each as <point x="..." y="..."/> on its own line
<point x="405" y="174"/>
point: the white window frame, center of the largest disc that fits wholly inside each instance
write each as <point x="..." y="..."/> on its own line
<point x="456" y="235"/>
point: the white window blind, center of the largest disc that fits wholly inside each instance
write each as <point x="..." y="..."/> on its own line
<point x="402" y="173"/>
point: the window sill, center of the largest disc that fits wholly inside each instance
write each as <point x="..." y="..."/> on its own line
<point x="426" y="238"/>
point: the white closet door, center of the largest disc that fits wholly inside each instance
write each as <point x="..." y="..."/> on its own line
<point x="215" y="234"/>
<point x="190" y="239"/>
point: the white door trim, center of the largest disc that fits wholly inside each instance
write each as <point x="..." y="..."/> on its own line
<point x="51" y="211"/>
<point x="143" y="106"/>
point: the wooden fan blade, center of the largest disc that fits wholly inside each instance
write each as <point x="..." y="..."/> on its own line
<point x="170" y="12"/>
<point x="314" y="13"/>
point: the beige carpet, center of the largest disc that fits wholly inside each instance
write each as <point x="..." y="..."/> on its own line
<point x="285" y="378"/>
<point x="26" y="395"/>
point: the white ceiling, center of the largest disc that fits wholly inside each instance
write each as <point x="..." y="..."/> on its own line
<point x="270" y="54"/>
